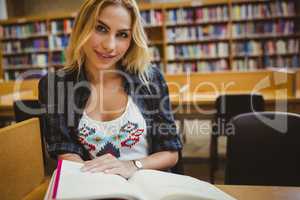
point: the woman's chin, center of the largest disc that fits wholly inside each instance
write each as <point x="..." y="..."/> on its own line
<point x="104" y="66"/>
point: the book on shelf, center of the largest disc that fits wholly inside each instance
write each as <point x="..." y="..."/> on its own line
<point x="198" y="51"/>
<point x="248" y="48"/>
<point x="62" y="26"/>
<point x="196" y="15"/>
<point x="281" y="47"/>
<point x="238" y="35"/>
<point x="152" y="17"/>
<point x="58" y="42"/>
<point x="68" y="182"/>
<point x="24" y="30"/>
<point x="25" y="46"/>
<point x="263" y="10"/>
<point x="267" y="28"/>
<point x="218" y="13"/>
<point x="58" y="58"/>
<point x="35" y="59"/>
<point x="246" y="64"/>
<point x="197" y="33"/>
<point x="281" y="61"/>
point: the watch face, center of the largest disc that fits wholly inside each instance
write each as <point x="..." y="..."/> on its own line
<point x="138" y="164"/>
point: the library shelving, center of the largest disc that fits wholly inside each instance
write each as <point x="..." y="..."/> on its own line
<point x="187" y="36"/>
<point x="33" y="43"/>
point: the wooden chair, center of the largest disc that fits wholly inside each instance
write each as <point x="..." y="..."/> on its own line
<point x="21" y="115"/>
<point x="260" y="153"/>
<point x="22" y="167"/>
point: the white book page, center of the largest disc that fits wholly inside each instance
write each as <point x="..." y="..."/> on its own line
<point x="74" y="184"/>
<point x="167" y="186"/>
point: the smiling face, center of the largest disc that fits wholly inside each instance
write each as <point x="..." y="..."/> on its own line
<point x="110" y="38"/>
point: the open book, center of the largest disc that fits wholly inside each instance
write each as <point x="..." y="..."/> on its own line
<point x="68" y="182"/>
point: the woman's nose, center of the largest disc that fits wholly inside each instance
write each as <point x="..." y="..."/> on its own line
<point x="109" y="43"/>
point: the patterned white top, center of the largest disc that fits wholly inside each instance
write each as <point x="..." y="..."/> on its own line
<point x="123" y="137"/>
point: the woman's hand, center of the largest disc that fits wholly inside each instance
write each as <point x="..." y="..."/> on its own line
<point x="111" y="165"/>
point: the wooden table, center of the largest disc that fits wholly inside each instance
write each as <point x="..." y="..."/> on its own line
<point x="261" y="192"/>
<point x="202" y="105"/>
<point x="6" y="102"/>
<point x="239" y="192"/>
<point x="189" y="102"/>
<point x="11" y="90"/>
<point x="185" y="105"/>
<point x="190" y="106"/>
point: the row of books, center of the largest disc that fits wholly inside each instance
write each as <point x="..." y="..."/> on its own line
<point x="281" y="47"/>
<point x="36" y="45"/>
<point x="196" y="15"/>
<point x="58" y="58"/>
<point x="247" y="64"/>
<point x="248" y="48"/>
<point x="211" y="50"/>
<point x="152" y="17"/>
<point x="155" y="53"/>
<point x="62" y="26"/>
<point x="263" y="10"/>
<point x="58" y="42"/>
<point x="253" y="28"/>
<point x="24" y="46"/>
<point x="270" y="47"/>
<point x="23" y="30"/>
<point x="40" y="60"/>
<point x="196" y="33"/>
<point x="200" y="66"/>
<point x="36" y="28"/>
<point x="282" y="62"/>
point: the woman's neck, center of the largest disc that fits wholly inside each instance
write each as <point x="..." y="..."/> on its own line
<point x="97" y="77"/>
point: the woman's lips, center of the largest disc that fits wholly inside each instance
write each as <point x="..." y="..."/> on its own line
<point x="105" y="56"/>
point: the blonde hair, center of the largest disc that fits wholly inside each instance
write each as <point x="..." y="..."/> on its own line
<point x="137" y="58"/>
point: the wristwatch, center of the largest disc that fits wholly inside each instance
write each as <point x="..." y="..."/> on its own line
<point x="138" y="164"/>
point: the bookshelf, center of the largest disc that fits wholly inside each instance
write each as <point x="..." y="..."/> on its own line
<point x="188" y="36"/>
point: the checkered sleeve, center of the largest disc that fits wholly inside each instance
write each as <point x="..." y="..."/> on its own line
<point x="166" y="136"/>
<point x="54" y="127"/>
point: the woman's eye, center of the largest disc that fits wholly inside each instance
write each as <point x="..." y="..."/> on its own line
<point x="123" y="35"/>
<point x="101" y="29"/>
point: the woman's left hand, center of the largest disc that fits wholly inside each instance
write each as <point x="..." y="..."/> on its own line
<point x="111" y="165"/>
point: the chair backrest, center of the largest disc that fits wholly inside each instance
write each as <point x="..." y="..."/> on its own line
<point x="228" y="106"/>
<point x="260" y="154"/>
<point x="21" y="168"/>
<point x="21" y="114"/>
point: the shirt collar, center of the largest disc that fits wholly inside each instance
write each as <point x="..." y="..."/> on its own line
<point x="129" y="82"/>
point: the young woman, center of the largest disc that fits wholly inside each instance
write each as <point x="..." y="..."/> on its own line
<point x="108" y="108"/>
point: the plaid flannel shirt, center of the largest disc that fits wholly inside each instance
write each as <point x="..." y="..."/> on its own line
<point x="57" y="91"/>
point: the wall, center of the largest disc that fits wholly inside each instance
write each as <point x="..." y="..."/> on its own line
<point x="17" y="8"/>
<point x="3" y="11"/>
